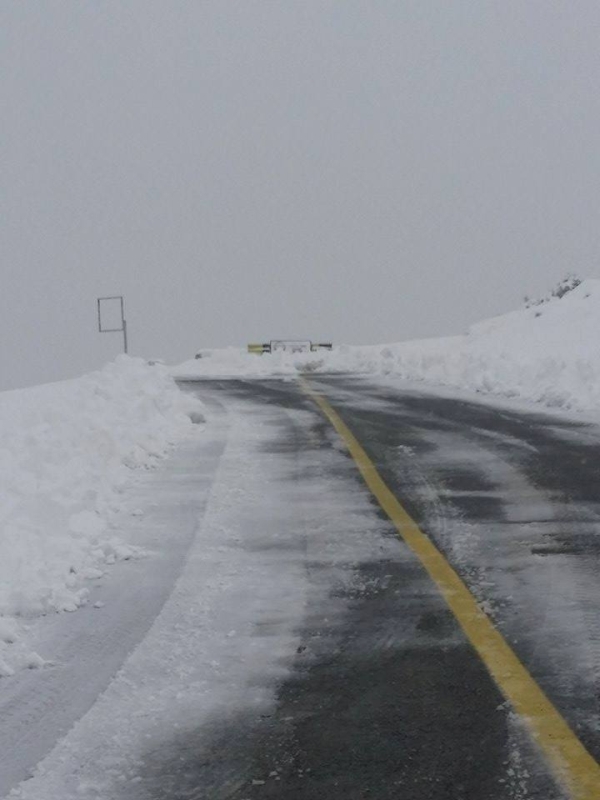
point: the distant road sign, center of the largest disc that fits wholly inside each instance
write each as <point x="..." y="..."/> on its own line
<point x="289" y="346"/>
<point x="111" y="316"/>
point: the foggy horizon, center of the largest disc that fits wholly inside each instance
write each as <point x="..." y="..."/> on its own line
<point x="245" y="171"/>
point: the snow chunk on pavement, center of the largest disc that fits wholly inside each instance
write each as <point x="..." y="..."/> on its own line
<point x="66" y="452"/>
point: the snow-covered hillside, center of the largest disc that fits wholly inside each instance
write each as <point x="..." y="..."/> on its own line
<point x="547" y="353"/>
<point x="66" y="449"/>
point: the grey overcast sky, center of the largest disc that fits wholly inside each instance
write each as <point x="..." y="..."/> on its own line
<point x="244" y="170"/>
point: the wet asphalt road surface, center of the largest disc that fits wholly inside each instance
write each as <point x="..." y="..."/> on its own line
<point x="391" y="701"/>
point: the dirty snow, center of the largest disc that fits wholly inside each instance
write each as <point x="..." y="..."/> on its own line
<point x="544" y="354"/>
<point x="67" y="450"/>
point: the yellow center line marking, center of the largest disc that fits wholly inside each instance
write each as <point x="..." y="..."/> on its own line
<point x="571" y="763"/>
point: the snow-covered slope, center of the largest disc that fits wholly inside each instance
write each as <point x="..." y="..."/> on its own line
<point x="548" y="353"/>
<point x="66" y="449"/>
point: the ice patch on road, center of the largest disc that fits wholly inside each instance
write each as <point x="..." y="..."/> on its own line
<point x="501" y="558"/>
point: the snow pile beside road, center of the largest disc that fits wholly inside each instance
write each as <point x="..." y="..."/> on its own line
<point x="236" y="361"/>
<point x="547" y="353"/>
<point x="66" y="449"/>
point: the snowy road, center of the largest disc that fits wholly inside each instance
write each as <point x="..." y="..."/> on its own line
<point x="284" y="643"/>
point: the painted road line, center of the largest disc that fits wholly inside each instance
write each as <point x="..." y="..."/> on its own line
<point x="574" y="767"/>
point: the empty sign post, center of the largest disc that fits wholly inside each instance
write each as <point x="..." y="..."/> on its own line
<point x="111" y="317"/>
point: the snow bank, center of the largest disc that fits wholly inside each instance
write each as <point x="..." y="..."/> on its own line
<point x="237" y="362"/>
<point x="548" y="353"/>
<point x="66" y="449"/>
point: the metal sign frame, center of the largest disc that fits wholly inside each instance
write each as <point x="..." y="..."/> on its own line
<point x="294" y="346"/>
<point x="123" y="328"/>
